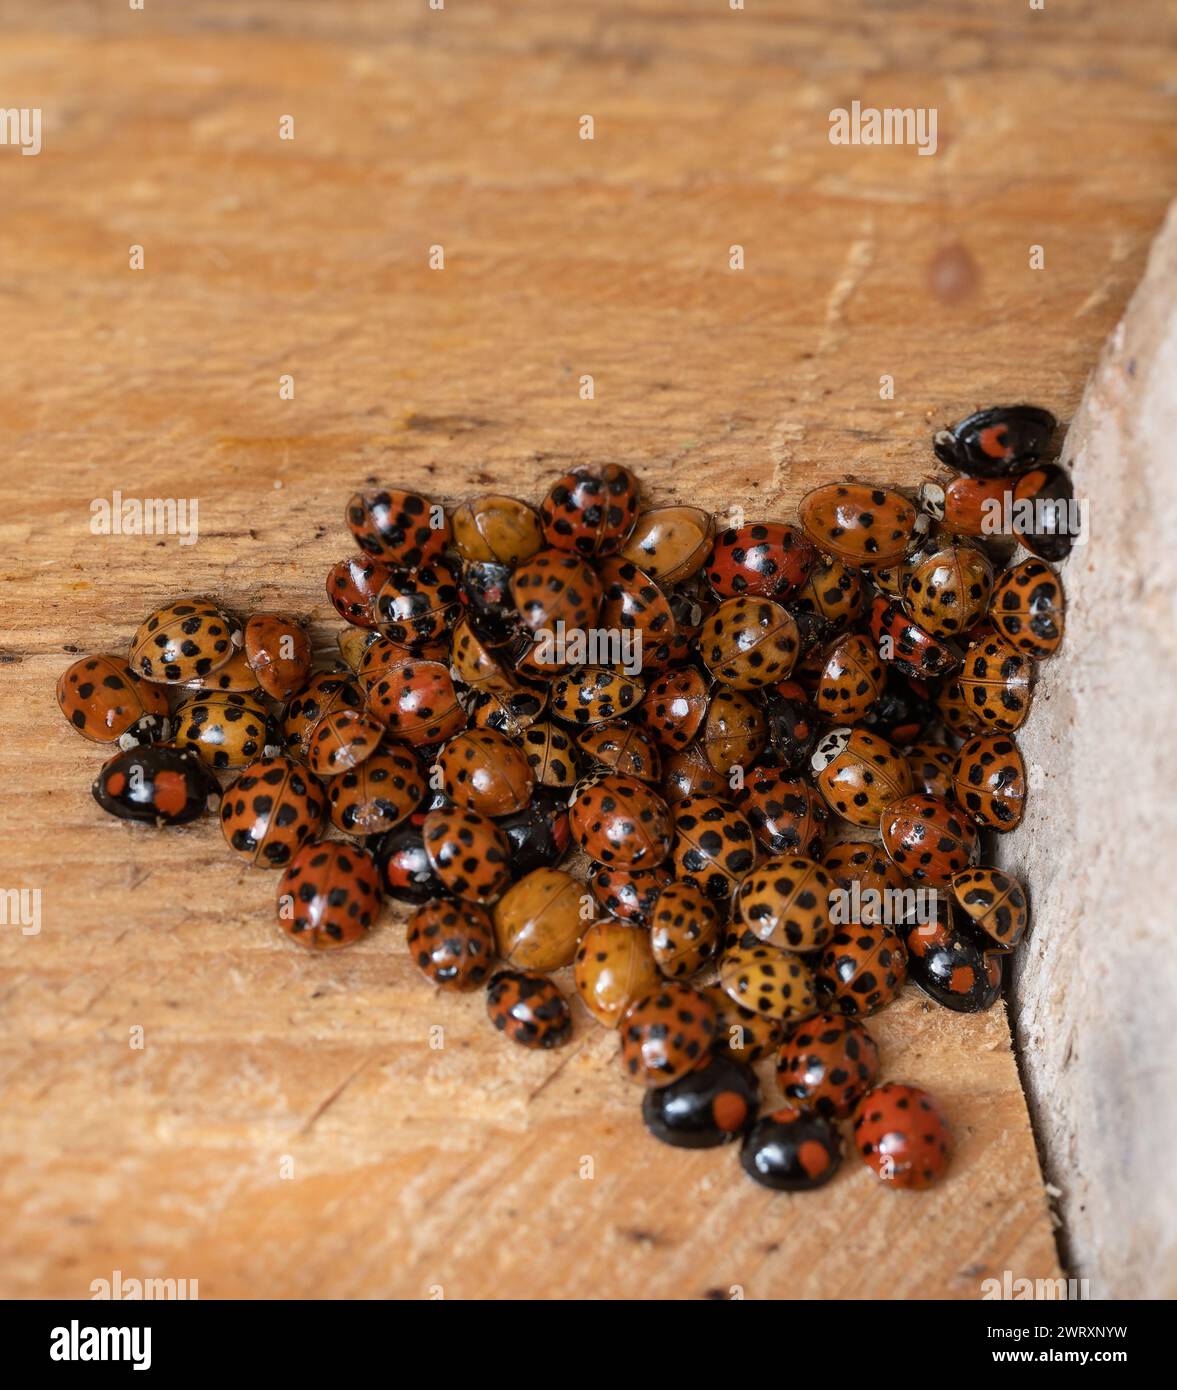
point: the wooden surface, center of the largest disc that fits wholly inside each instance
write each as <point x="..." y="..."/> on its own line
<point x="409" y="1168"/>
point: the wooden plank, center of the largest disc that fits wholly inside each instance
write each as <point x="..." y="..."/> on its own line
<point x="461" y="1167"/>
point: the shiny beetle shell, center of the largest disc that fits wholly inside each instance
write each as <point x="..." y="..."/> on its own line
<point x="414" y="700"/>
<point x="593" y="695"/>
<point x="768" y="981"/>
<point x="675" y="706"/>
<point x="670" y="543"/>
<point x="688" y="772"/>
<point x="931" y="768"/>
<point x="747" y="1035"/>
<point x="329" y="895"/>
<point x="452" y="944"/>
<point x="791" y="1150"/>
<point x="852" y="678"/>
<point x="228" y="730"/>
<point x="485" y="771"/>
<point x="352" y="586"/>
<point x="235" y="675"/>
<point x="556" y="587"/>
<point x="619" y="746"/>
<point x="928" y="839"/>
<point x="550" y="754"/>
<point x="417" y="606"/>
<point x="271" y="810"/>
<point x="630" y="894"/>
<point x="614" y="967"/>
<point x="402" y="527"/>
<point x="469" y="853"/>
<point x="713" y="845"/>
<point x="834" y="592"/>
<point x="787" y="816"/>
<point x="324" y="693"/>
<point x="749" y="643"/>
<point x="734" y="733"/>
<point x="529" y="1009"/>
<point x="620" y="821"/>
<point x="989" y="781"/>
<point x="684" y="931"/>
<point x="279" y="653"/>
<point x="785" y="901"/>
<point x="765" y="558"/>
<point x="857" y="523"/>
<point x="996" y="903"/>
<point x="158" y="784"/>
<point x="185" y="640"/>
<point x="827" y="1064"/>
<point x="666" y="1034"/>
<point x="859" y="775"/>
<point x="705" y="1108"/>
<point x="862" y="969"/>
<point x="537" y="921"/>
<point x="342" y="740"/>
<point x="995" y="684"/>
<point x="948" y="592"/>
<point x="998" y="442"/>
<point x="591" y="510"/>
<point x="1029" y="609"/>
<point x="901" y="1136"/>
<point x="501" y="529"/>
<point x="384" y="790"/>
<point x="103" y="699"/>
<point x="964" y="506"/>
<point x="862" y="871"/>
<point x="907" y="646"/>
<point x="636" y="608"/>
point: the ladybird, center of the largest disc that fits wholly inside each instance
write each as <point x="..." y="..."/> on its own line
<point x="279" y="653"/>
<point x="342" y="740"/>
<point x="787" y="816"/>
<point x="948" y="592"/>
<point x="834" y="592"/>
<point x="352" y="586"/>
<point x="537" y="921"/>
<point x="271" y="810"/>
<point x="550" y="753"/>
<point x="684" y="931"/>
<point x="538" y="835"/>
<point x="995" y="902"/>
<point x="324" y="693"/>
<point x="370" y="799"/>
<point x="554" y="587"/>
<point x="928" y="839"/>
<point x="484" y="771"/>
<point x="235" y="675"/>
<point x="106" y="702"/>
<point x="852" y="679"/>
<point x="998" y="442"/>
<point x="620" y="821"/>
<point x="499" y="529"/>
<point x="614" y="967"/>
<point x="827" y="1064"/>
<point x="901" y="1136"/>
<point x="859" y="524"/>
<point x="675" y="706"/>
<point x="713" y="845"/>
<point x="473" y="661"/>
<point x="405" y="871"/>
<point x="591" y="510"/>
<point x="529" y="1009"/>
<point x="734" y="733"/>
<point x="705" y="1108"/>
<point x="866" y="876"/>
<point x="594" y="694"/>
<point x="792" y="726"/>
<point x="791" y="1151"/>
<point x="619" y="746"/>
<point x="785" y="901"/>
<point x="630" y="894"/>
<point x="766" y="559"/>
<point x="745" y="1034"/>
<point x="749" y="643"/>
<point x="954" y="710"/>
<point x="859" y="775"/>
<point x="954" y="968"/>
<point x="468" y="852"/>
<point x="995" y="684"/>
<point x="486" y="596"/>
<point x="931" y="768"/>
<point x="666" y="1034"/>
<point x="1041" y="513"/>
<point x="768" y="981"/>
<point x="688" y="772"/>
<point x="906" y="645"/>
<point x="511" y="711"/>
<point x="414" y="700"/>
<point x="452" y="944"/>
<point x="904" y="712"/>
<point x="353" y="644"/>
<point x="862" y="969"/>
<point x="965" y="506"/>
<point x="159" y="783"/>
<point x="670" y="543"/>
<point x="989" y="781"/>
<point x="1029" y="610"/>
<point x="402" y="527"/>
<point x="419" y="605"/>
<point x="183" y="641"/>
<point x="329" y="895"/>
<point x="634" y="604"/>
<point x="228" y="730"/>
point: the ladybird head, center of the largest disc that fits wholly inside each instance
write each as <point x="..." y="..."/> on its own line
<point x="829" y="748"/>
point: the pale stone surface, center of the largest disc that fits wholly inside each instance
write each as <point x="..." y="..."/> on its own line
<point x="1096" y="981"/>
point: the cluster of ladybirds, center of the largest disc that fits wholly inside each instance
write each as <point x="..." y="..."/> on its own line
<point x="866" y="668"/>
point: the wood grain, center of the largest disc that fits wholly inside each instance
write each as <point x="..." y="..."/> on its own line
<point x="463" y="1168"/>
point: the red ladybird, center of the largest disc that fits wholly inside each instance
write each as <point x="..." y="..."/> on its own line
<point x="417" y="606"/>
<point x="279" y="653"/>
<point x="629" y="894"/>
<point x="902" y="1136"/>
<point x="667" y="1034"/>
<point x="414" y="699"/>
<point x="352" y="586"/>
<point x="766" y="558"/>
<point x="329" y="895"/>
<point x="271" y="810"/>
<point x="827" y="1064"/>
<point x="905" y="644"/>
<point x="105" y="701"/>
<point x="402" y="527"/>
<point x="551" y="589"/>
<point x="620" y="821"/>
<point x="862" y="969"/>
<point x="857" y="523"/>
<point x="929" y="839"/>
<point x="713" y="845"/>
<point x="452" y="944"/>
<point x="591" y="510"/>
<point x="989" y="781"/>
<point x="484" y="771"/>
<point x="966" y="506"/>
<point x="786" y="815"/>
<point x="529" y="1009"/>
<point x="469" y="853"/>
<point x="674" y="707"/>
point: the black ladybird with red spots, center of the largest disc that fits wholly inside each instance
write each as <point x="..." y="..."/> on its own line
<point x="791" y="1151"/>
<point x="998" y="442"/>
<point x="539" y="835"/>
<point x="705" y="1108"/>
<point x="159" y="784"/>
<point x="529" y="1009"/>
<point x="406" y="872"/>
